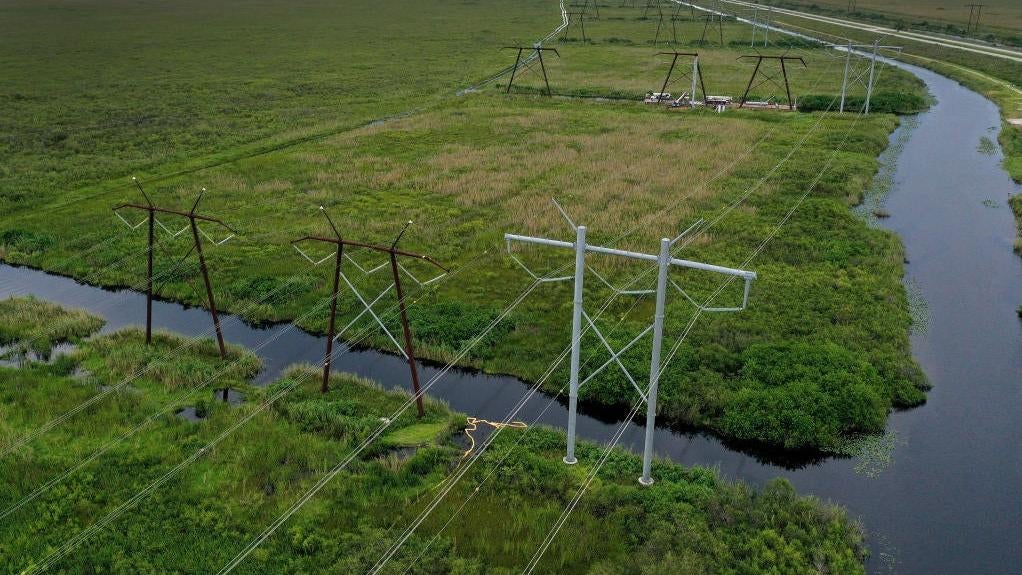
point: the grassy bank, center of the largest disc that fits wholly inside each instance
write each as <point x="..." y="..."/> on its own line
<point x="691" y="520"/>
<point x="997" y="79"/>
<point x="999" y="22"/>
<point x="822" y="355"/>
<point x="32" y="325"/>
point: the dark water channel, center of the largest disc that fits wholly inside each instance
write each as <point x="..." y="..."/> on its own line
<point x="950" y="500"/>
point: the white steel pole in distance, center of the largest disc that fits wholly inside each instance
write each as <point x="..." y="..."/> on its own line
<point x="664" y="264"/>
<point x="576" y="337"/>
<point x="664" y="261"/>
<point x="755" y="15"/>
<point x="872" y="72"/>
<point x="844" y="82"/>
<point x="695" y="76"/>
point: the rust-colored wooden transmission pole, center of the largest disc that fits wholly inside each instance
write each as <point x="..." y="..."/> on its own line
<point x="338" y="242"/>
<point x="708" y="18"/>
<point x="580" y="16"/>
<point x="151" y="219"/>
<point x="538" y="49"/>
<point x="975" y="13"/>
<point x="396" y="268"/>
<point x="696" y="75"/>
<point x="193" y="224"/>
<point x="784" y="72"/>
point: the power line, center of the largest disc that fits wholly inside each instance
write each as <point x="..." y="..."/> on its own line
<point x="396" y="269"/>
<point x="193" y="224"/>
<point x="497" y="432"/>
<point x="174" y="403"/>
<point x="513" y="413"/>
<point x="700" y="309"/>
<point x="459" y="473"/>
<point x="575" y="500"/>
<point x="82" y="536"/>
<point x="270" y="529"/>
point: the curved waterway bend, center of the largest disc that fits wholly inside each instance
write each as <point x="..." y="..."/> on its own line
<point x="951" y="499"/>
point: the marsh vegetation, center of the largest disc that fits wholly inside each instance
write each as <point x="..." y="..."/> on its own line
<point x="691" y="519"/>
<point x="467" y="169"/>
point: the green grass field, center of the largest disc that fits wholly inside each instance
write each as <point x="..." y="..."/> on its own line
<point x="95" y="90"/>
<point x="469" y="168"/>
<point x="998" y="79"/>
<point x="289" y="435"/>
<point x="1000" y="20"/>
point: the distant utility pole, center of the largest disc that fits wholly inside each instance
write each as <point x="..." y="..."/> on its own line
<point x="872" y="71"/>
<point x="761" y="23"/>
<point x="585" y="7"/>
<point x="581" y="22"/>
<point x="193" y="224"/>
<point x="538" y="49"/>
<point x="696" y="74"/>
<point x="397" y="269"/>
<point x="660" y="25"/>
<point x="719" y="19"/>
<point x="755" y="25"/>
<point x="975" y="12"/>
<point x="784" y="71"/>
<point x="664" y="261"/>
<point x="650" y="4"/>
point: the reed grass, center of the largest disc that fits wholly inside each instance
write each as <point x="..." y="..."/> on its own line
<point x="690" y="519"/>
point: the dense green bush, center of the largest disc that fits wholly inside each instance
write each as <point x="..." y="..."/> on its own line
<point x="332" y="419"/>
<point x="24" y="242"/>
<point x="269" y="290"/>
<point x="36" y="325"/>
<point x="800" y="395"/>
<point x="880" y="103"/>
<point x="452" y="324"/>
<point x="1011" y="144"/>
<point x="689" y="521"/>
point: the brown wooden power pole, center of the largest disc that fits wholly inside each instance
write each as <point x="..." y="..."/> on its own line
<point x="392" y="251"/>
<point x="784" y="71"/>
<point x="975" y="13"/>
<point x="708" y="19"/>
<point x="338" y="242"/>
<point x="538" y="49"/>
<point x="409" y="349"/>
<point x="695" y="75"/>
<point x="193" y="224"/>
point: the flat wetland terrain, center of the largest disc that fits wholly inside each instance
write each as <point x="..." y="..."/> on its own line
<point x="468" y="168"/>
<point x="362" y="108"/>
<point x="163" y="516"/>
